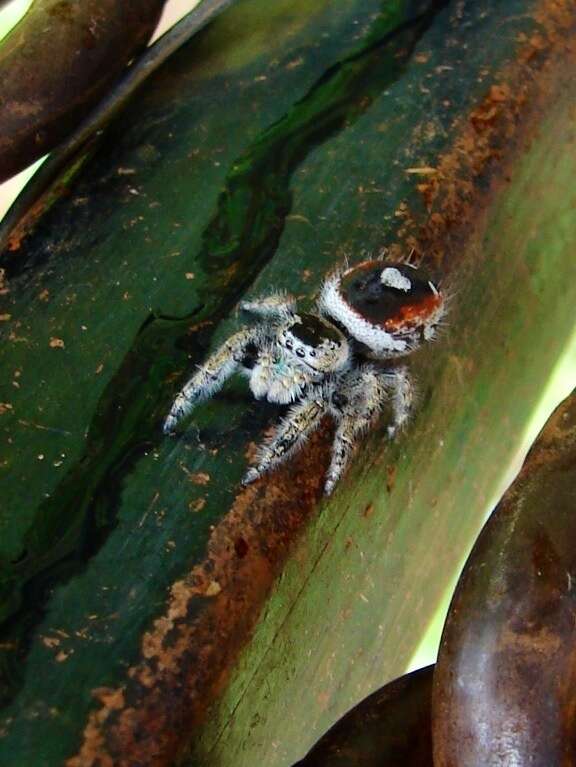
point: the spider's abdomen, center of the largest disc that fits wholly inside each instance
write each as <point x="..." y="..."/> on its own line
<point x="390" y="308"/>
<point x="396" y="297"/>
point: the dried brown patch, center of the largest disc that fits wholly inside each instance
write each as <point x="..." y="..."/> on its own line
<point x="390" y="477"/>
<point x="188" y="653"/>
<point x="200" y="478"/>
<point x="368" y="511"/>
<point x="197" y="505"/>
<point x="450" y="195"/>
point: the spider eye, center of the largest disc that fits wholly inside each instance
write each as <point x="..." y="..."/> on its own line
<point x="312" y="353"/>
<point x="300" y="353"/>
<point x="289" y="344"/>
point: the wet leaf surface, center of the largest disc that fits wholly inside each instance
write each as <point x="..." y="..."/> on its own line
<point x="134" y="570"/>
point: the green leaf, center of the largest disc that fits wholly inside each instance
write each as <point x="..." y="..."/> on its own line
<point x="279" y="142"/>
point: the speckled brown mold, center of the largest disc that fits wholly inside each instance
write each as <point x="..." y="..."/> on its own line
<point x="188" y="653"/>
<point x="487" y="136"/>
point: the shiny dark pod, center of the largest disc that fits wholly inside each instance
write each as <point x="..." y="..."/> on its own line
<point x="57" y="63"/>
<point x="505" y="684"/>
<point x="389" y="728"/>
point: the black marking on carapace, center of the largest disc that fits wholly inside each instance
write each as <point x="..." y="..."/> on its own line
<point x="362" y="288"/>
<point x="250" y="356"/>
<point x="312" y="331"/>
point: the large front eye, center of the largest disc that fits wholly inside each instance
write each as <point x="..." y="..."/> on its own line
<point x="300" y="353"/>
<point x="289" y="344"/>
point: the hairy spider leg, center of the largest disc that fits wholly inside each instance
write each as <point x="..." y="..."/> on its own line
<point x="402" y="397"/>
<point x="275" y="305"/>
<point x="358" y="403"/>
<point x="210" y="376"/>
<point x="293" y="430"/>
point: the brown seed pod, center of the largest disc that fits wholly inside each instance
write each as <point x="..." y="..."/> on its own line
<point x="57" y="62"/>
<point x="505" y="684"/>
<point x="389" y="728"/>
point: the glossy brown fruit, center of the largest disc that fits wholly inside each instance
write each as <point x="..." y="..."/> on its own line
<point x="57" y="62"/>
<point x="389" y="728"/>
<point x="505" y="686"/>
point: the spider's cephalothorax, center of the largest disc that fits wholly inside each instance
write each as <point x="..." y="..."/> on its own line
<point x="315" y="344"/>
<point x="326" y="363"/>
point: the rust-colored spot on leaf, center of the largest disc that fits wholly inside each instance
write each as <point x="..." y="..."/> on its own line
<point x="200" y="478"/>
<point x="450" y="195"/>
<point x="368" y="511"/>
<point x="51" y="641"/>
<point x="390" y="477"/>
<point x="197" y="505"/>
<point x="187" y="654"/>
<point x="113" y="699"/>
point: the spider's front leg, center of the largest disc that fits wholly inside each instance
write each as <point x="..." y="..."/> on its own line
<point x="355" y="405"/>
<point x="210" y="376"/>
<point x="400" y="385"/>
<point x="272" y="306"/>
<point x="290" y="435"/>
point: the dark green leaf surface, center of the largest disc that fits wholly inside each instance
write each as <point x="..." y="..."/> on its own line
<point x="263" y="154"/>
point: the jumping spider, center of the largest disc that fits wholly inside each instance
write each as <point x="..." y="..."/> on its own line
<point x="326" y="362"/>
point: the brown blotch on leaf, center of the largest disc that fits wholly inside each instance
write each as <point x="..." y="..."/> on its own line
<point x="188" y="653"/>
<point x="451" y="196"/>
